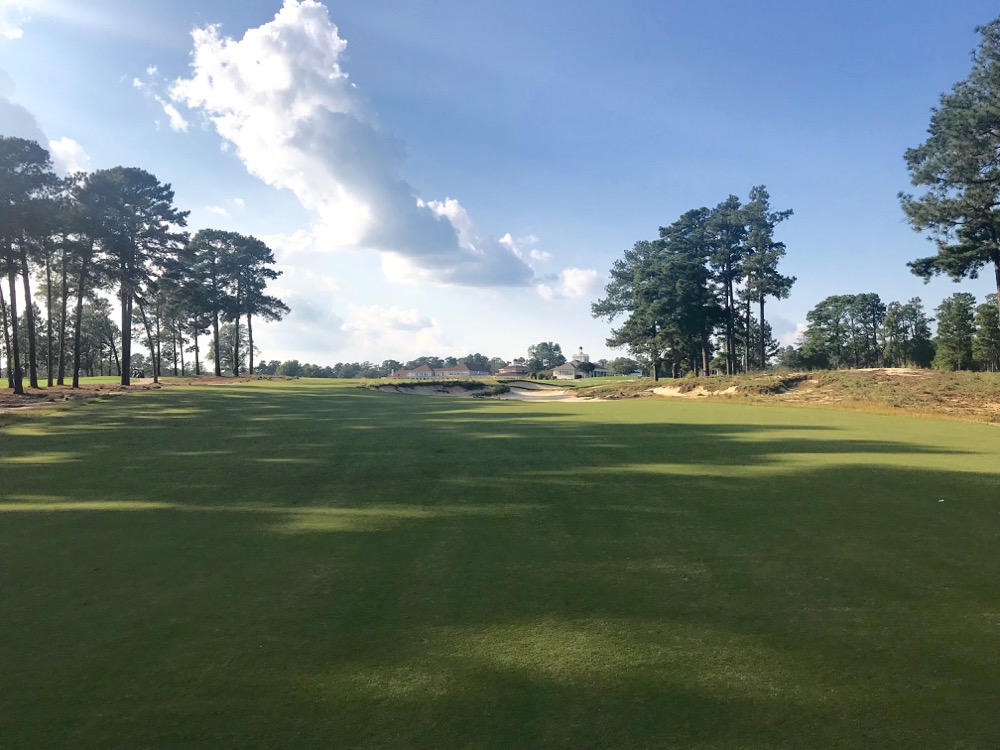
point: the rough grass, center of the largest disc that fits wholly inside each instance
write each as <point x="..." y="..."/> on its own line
<point x="310" y="564"/>
<point x="930" y="393"/>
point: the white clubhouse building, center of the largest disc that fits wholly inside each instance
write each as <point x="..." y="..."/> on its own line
<point x="578" y="368"/>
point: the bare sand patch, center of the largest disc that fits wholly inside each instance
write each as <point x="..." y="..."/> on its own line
<point x="534" y="385"/>
<point x="529" y="390"/>
<point x="34" y="398"/>
<point x="906" y="372"/>
<point x="547" y="394"/>
<point x="697" y="392"/>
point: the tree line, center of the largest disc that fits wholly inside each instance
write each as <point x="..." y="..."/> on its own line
<point x="687" y="299"/>
<point x="117" y="232"/>
<point x="541" y="357"/>
<point x="366" y="369"/>
<point x="859" y="330"/>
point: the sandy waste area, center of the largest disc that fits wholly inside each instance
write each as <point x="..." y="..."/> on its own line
<point x="520" y="391"/>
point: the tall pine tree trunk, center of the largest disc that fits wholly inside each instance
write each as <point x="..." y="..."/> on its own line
<point x="730" y="328"/>
<point x="250" y="341"/>
<point x="180" y="345"/>
<point x="15" y="348"/>
<point x="125" y="297"/>
<point x="236" y="338"/>
<point x="747" y="344"/>
<point x="78" y="321"/>
<point x="218" y="352"/>
<point x="996" y="273"/>
<point x="236" y="347"/>
<point x="197" y="354"/>
<point x="158" y="364"/>
<point x="29" y="314"/>
<point x="64" y="295"/>
<point x="6" y="340"/>
<point x="763" y="345"/>
<point x="153" y="348"/>
<point x="48" y="322"/>
<point x="114" y="353"/>
<point x="706" y="360"/>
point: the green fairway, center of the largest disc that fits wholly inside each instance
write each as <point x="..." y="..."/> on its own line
<point x="309" y="564"/>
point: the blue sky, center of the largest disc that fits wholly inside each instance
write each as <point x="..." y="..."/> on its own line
<point x="540" y="138"/>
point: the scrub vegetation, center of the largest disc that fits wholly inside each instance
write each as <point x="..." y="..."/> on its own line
<point x="310" y="564"/>
<point x="972" y="396"/>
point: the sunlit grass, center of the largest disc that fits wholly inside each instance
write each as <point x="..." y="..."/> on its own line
<point x="364" y="569"/>
<point x="43" y="506"/>
<point x="51" y="457"/>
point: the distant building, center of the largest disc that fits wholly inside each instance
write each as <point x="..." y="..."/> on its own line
<point x="425" y="372"/>
<point x="513" y="370"/>
<point x="578" y="367"/>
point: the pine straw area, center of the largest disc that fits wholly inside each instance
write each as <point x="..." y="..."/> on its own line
<point x="105" y="387"/>
<point x="59" y="394"/>
<point x="968" y="396"/>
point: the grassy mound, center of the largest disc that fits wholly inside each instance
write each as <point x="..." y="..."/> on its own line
<point x="962" y="395"/>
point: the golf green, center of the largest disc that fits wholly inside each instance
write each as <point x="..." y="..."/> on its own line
<point x="312" y="564"/>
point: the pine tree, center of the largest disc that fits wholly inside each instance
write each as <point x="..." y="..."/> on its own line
<point x="986" y="341"/>
<point x="958" y="165"/>
<point x="763" y="255"/>
<point x="955" y="332"/>
<point x="134" y="220"/>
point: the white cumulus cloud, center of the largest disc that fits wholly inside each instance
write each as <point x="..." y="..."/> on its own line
<point x="280" y="96"/>
<point x="68" y="156"/>
<point x="14" y="14"/>
<point x="790" y="337"/>
<point x="312" y="330"/>
<point x="525" y="246"/>
<point x="149" y="87"/>
<point x="177" y="121"/>
<point x="405" y="332"/>
<point x="572" y="283"/>
<point x="376" y="319"/>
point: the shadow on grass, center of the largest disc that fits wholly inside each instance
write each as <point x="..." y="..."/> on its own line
<point x="495" y="575"/>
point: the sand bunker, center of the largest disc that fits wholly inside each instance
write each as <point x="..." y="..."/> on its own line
<point x="532" y="390"/>
<point x="427" y="390"/>
<point x="519" y="391"/>
<point x="539" y="394"/>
